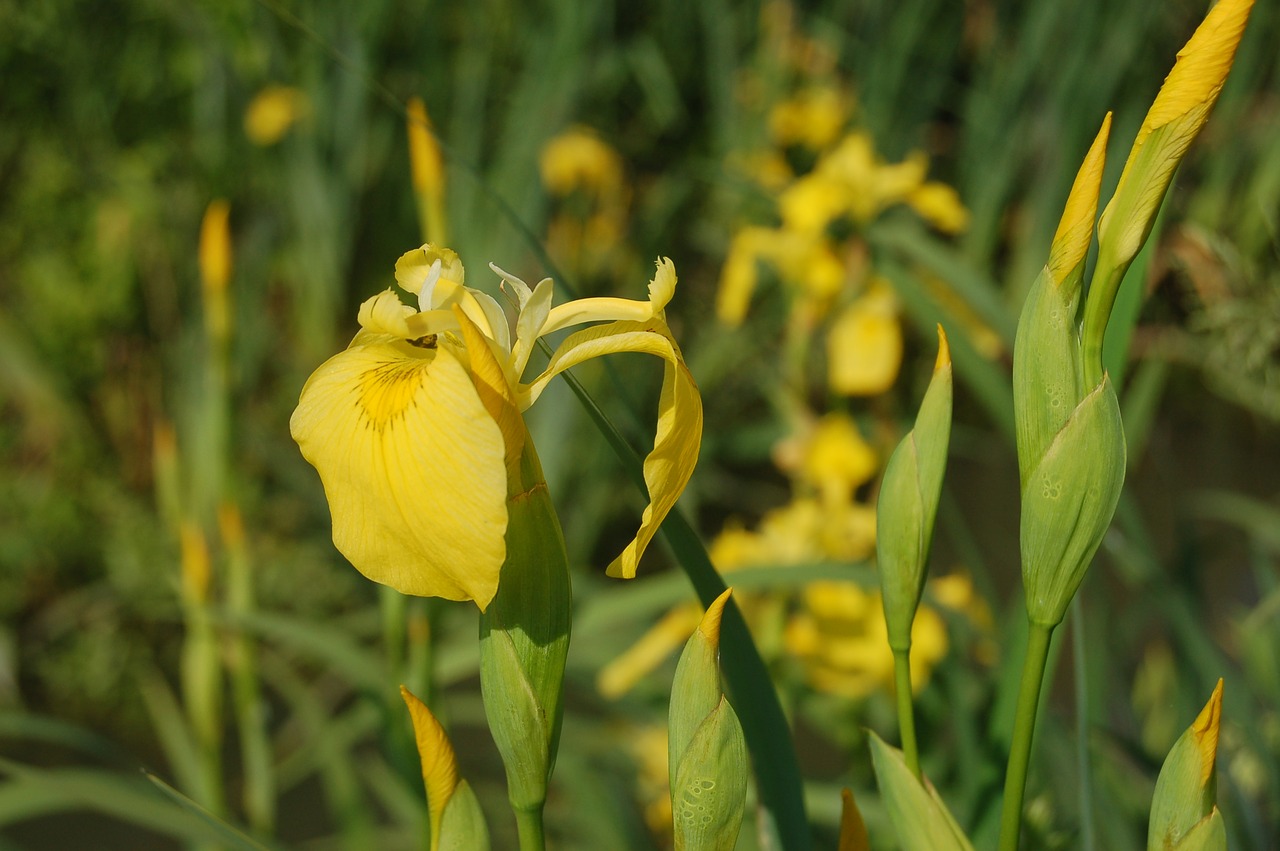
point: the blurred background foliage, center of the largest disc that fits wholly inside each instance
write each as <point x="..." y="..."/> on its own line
<point x="161" y="538"/>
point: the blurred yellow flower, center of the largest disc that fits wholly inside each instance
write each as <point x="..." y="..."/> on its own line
<point x="841" y="637"/>
<point x="588" y="219"/>
<point x="813" y="117"/>
<point x="272" y="112"/>
<point x="838" y="460"/>
<point x="813" y="202"/>
<point x="939" y="205"/>
<point x="417" y="431"/>
<point x="577" y="160"/>
<point x="648" y="747"/>
<point x="864" y="345"/>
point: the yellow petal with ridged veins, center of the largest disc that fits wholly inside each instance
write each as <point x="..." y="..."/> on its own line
<point x="439" y="764"/>
<point x="1075" y="228"/>
<point x="412" y="465"/>
<point x="679" y="433"/>
<point x="1202" y="66"/>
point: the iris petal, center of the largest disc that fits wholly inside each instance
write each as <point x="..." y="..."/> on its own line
<point x="675" y="447"/>
<point x="412" y="465"/>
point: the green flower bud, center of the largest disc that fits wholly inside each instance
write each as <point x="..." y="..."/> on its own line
<point x="707" y="753"/>
<point x="920" y="818"/>
<point x="1068" y="498"/>
<point x="457" y="823"/>
<point x="908" y="503"/>
<point x="1183" y="802"/>
<point x="1071" y="449"/>
<point x="1176" y="116"/>
<point x="524" y="638"/>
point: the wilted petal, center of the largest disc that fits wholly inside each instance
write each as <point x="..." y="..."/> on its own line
<point x="412" y="465"/>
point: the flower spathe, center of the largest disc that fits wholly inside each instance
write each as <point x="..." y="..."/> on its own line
<point x="416" y="429"/>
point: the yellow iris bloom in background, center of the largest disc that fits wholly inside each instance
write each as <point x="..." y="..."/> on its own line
<point x="416" y="428"/>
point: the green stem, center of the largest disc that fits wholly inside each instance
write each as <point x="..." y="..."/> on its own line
<point x="1080" y="669"/>
<point x="1015" y="781"/>
<point x="529" y="825"/>
<point x="906" y="713"/>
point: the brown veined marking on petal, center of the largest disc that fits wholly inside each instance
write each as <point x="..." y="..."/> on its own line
<point x="427" y="342"/>
<point x="387" y="392"/>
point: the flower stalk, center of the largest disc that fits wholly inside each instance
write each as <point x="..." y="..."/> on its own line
<point x="1071" y="444"/>
<point x="905" y="515"/>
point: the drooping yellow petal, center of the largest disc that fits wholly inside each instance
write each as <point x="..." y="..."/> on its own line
<point x="412" y="464"/>
<point x="1075" y="229"/>
<point x="661" y="289"/>
<point x="439" y="764"/>
<point x="679" y="433"/>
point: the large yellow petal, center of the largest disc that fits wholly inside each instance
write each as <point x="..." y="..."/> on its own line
<point x="679" y="433"/>
<point x="412" y="465"/>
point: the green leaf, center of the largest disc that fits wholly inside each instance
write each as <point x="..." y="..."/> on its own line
<point x="1046" y="369"/>
<point x="1068" y="500"/>
<point x="32" y="792"/>
<point x="920" y="818"/>
<point x="463" y="828"/>
<point x="709" y="784"/>
<point x="1209" y="834"/>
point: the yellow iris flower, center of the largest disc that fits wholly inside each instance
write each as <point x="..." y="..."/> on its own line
<point x="416" y="429"/>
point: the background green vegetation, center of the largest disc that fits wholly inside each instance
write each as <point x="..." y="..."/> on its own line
<point x="119" y="123"/>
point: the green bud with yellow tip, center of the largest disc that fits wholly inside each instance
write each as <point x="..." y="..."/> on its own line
<point x="1071" y="448"/>
<point x="1183" y="815"/>
<point x="1176" y="116"/>
<point x="920" y="819"/>
<point x="706" y="750"/>
<point x="908" y="503"/>
<point x="456" y="821"/>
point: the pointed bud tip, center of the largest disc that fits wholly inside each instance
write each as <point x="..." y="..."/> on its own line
<point x="1202" y="67"/>
<point x="710" y="626"/>
<point x="1206" y="728"/>
<point x="1075" y="229"/>
<point x="944" y="351"/>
